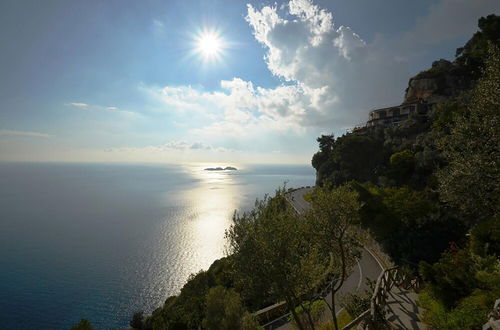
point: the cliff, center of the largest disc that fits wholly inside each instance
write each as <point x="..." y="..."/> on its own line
<point x="443" y="82"/>
<point x="446" y="80"/>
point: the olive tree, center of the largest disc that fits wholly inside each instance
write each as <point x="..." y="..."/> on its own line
<point x="332" y="218"/>
<point x="272" y="255"/>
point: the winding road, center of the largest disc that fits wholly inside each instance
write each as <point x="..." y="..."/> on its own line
<point x="367" y="265"/>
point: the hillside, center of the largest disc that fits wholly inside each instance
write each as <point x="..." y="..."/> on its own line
<point x="430" y="186"/>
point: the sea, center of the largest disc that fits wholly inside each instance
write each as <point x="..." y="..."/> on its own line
<point x="102" y="241"/>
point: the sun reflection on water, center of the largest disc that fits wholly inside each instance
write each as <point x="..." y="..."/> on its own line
<point x="214" y="200"/>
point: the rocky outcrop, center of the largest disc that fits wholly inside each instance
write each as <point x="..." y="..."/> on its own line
<point x="227" y="168"/>
<point x="441" y="83"/>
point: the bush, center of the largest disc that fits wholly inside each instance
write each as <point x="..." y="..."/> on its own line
<point x="83" y="325"/>
<point x="355" y="304"/>
<point x="402" y="164"/>
<point x="137" y="321"/>
<point x="485" y="238"/>
<point x="316" y="309"/>
<point x="470" y="313"/>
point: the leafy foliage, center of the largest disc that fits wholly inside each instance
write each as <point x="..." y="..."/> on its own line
<point x="485" y="238"/>
<point x="187" y="310"/>
<point x="408" y="223"/>
<point x="271" y="256"/>
<point x="357" y="303"/>
<point x="83" y="325"/>
<point x="461" y="289"/>
<point x="430" y="180"/>
<point x="137" y="321"/>
<point x="471" y="181"/>
<point x="223" y="309"/>
<point x="336" y="212"/>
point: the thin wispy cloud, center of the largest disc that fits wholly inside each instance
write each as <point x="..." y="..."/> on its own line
<point x="78" y="104"/>
<point x="5" y="132"/>
<point x="173" y="146"/>
<point x="94" y="107"/>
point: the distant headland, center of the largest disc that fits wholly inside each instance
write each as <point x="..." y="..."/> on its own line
<point x="227" y="168"/>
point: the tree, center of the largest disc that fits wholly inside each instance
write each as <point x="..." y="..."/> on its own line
<point x="83" y="325"/>
<point x="333" y="214"/>
<point x="460" y="289"/>
<point x="471" y="57"/>
<point x="485" y="238"/>
<point x="409" y="224"/>
<point x="402" y="164"/>
<point x="446" y="283"/>
<point x="272" y="255"/>
<point x="224" y="310"/>
<point x="137" y="321"/>
<point x="349" y="157"/>
<point x="471" y="181"/>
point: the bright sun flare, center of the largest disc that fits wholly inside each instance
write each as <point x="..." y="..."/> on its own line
<point x="209" y="45"/>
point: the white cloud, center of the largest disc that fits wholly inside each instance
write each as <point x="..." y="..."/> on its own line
<point x="78" y="104"/>
<point x="182" y="145"/>
<point x="338" y="75"/>
<point x="94" y="107"/>
<point x="331" y="76"/>
<point x="24" y="133"/>
<point x="173" y="146"/>
<point x="238" y="109"/>
<point x="158" y="28"/>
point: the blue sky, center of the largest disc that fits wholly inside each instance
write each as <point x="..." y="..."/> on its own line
<point x="122" y="80"/>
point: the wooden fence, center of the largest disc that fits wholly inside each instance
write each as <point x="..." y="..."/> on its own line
<point x="389" y="278"/>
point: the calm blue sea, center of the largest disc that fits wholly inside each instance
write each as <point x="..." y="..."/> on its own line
<point x="101" y="241"/>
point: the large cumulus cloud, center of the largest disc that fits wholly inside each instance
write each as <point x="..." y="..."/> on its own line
<point x="336" y="71"/>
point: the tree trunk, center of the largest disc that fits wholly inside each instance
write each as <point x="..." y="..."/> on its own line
<point x="309" y="317"/>
<point x="340" y="282"/>
<point x="291" y="307"/>
<point x="334" y="315"/>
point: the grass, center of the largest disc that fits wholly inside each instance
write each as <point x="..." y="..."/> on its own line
<point x="308" y="196"/>
<point x="343" y="319"/>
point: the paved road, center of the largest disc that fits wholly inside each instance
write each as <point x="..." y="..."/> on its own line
<point x="367" y="266"/>
<point x="296" y="198"/>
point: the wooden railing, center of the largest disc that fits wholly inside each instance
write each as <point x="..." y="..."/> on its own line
<point x="273" y="315"/>
<point x="386" y="281"/>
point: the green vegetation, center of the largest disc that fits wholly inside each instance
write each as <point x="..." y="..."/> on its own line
<point x="83" y="325"/>
<point x="463" y="284"/>
<point x="270" y="255"/>
<point x="430" y="188"/>
<point x="225" y="311"/>
<point x="470" y="181"/>
<point x="460" y="289"/>
<point x="356" y="304"/>
<point x="343" y="319"/>
<point x="280" y="254"/>
<point x="336" y="211"/>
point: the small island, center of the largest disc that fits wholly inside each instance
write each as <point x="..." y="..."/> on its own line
<point x="227" y="168"/>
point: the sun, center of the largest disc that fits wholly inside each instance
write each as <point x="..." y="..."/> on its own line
<point x="209" y="45"/>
